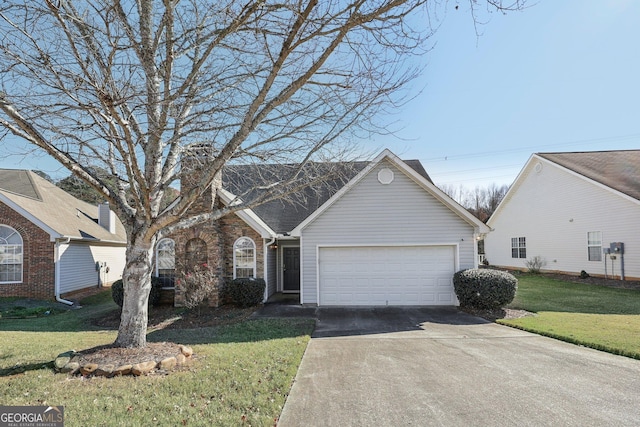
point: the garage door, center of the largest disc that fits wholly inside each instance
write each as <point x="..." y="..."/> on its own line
<point x="406" y="275"/>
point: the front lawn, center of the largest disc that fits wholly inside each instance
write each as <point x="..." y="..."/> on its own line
<point x="241" y="373"/>
<point x="594" y="316"/>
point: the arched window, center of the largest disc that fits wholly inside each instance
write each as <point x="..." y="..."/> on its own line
<point x="10" y="255"/>
<point x="244" y="258"/>
<point x="166" y="261"/>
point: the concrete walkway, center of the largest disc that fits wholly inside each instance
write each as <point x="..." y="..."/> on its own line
<point x="440" y="367"/>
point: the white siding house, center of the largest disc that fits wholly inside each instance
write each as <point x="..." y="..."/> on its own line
<point x="567" y="208"/>
<point x="377" y="233"/>
<point x="85" y="265"/>
<point x="389" y="237"/>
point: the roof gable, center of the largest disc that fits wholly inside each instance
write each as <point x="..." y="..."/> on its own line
<point x="282" y="216"/>
<point x="619" y="170"/>
<point x="423" y="182"/>
<point x="52" y="209"/>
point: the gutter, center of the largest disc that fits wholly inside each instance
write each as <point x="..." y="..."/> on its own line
<point x="56" y="263"/>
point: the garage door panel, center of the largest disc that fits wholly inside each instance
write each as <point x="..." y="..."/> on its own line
<point x="411" y="275"/>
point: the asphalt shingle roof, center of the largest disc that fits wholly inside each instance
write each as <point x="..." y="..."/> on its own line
<point x="619" y="170"/>
<point x="284" y="215"/>
<point x="54" y="207"/>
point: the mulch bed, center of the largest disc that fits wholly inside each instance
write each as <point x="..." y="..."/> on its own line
<point x="110" y="355"/>
<point x="599" y="281"/>
<point x="169" y="317"/>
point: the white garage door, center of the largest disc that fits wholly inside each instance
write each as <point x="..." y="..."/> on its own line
<point x="406" y="275"/>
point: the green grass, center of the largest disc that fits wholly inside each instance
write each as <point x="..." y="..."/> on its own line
<point x="594" y="316"/>
<point x="241" y="373"/>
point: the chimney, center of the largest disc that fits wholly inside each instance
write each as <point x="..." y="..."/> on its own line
<point x="106" y="217"/>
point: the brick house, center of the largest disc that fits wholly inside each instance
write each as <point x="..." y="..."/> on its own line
<point x="370" y="233"/>
<point x="51" y="244"/>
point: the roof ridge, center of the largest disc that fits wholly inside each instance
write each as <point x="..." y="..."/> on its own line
<point x="588" y="152"/>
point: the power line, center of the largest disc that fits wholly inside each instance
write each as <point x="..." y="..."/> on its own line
<point x="531" y="149"/>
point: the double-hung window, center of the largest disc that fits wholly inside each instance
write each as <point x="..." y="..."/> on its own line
<point x="518" y="247"/>
<point x="594" y="245"/>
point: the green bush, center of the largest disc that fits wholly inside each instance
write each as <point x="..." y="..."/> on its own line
<point x="484" y="288"/>
<point x="245" y="292"/>
<point x="117" y="291"/>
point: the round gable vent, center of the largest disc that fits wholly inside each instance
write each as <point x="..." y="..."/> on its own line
<point x="538" y="167"/>
<point x="385" y="176"/>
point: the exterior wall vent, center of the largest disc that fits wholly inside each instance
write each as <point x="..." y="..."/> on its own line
<point x="385" y="176"/>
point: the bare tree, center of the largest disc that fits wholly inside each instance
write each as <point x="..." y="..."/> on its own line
<point x="482" y="202"/>
<point x="129" y="86"/>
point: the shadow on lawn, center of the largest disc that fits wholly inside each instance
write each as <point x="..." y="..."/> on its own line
<point x="21" y="369"/>
<point x="252" y="330"/>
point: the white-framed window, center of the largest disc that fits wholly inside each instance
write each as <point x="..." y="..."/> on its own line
<point x="244" y="258"/>
<point x="10" y="255"/>
<point x="518" y="247"/>
<point x="594" y="245"/>
<point x="166" y="261"/>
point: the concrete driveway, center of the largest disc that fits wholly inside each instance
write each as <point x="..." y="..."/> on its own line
<point x="440" y="367"/>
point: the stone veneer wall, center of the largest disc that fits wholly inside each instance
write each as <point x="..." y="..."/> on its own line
<point x="38" y="268"/>
<point x="219" y="236"/>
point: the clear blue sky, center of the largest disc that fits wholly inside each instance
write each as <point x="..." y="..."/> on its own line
<point x="558" y="76"/>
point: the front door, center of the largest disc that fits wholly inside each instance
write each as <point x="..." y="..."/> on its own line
<point x="291" y="269"/>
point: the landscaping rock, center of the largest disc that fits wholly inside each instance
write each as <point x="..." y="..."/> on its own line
<point x="62" y="359"/>
<point x="122" y="370"/>
<point x="168" y="363"/>
<point x="104" y="371"/>
<point x="70" y="368"/>
<point x="143" y="368"/>
<point x="88" y="369"/>
<point x="187" y="351"/>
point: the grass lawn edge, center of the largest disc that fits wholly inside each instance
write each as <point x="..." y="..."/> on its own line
<point x="595" y="346"/>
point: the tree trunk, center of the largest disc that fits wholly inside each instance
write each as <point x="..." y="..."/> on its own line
<point x="137" y="284"/>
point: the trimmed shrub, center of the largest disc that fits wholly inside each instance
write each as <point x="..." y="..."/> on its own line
<point x="484" y="288"/>
<point x="245" y="292"/>
<point x="117" y="291"/>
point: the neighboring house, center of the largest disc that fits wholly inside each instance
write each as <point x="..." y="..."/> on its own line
<point x="52" y="244"/>
<point x="568" y="208"/>
<point x="384" y="234"/>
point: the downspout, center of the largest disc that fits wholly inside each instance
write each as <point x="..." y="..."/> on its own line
<point x="56" y="262"/>
<point x="266" y="267"/>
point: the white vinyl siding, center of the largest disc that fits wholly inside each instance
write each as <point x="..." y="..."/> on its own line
<point x="78" y="265"/>
<point x="555" y="209"/>
<point x="396" y="214"/>
<point x="271" y="266"/>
